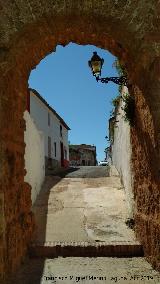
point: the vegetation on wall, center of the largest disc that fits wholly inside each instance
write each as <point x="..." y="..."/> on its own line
<point x="121" y="70"/>
<point x="115" y="101"/>
<point x="128" y="106"/>
<point x="129" y="109"/>
<point x="129" y="103"/>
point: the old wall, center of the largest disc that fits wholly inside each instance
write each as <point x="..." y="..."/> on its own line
<point x="145" y="160"/>
<point x="34" y="156"/>
<point x="121" y="154"/>
<point x="29" y="31"/>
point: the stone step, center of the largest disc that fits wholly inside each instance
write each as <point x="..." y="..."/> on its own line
<point x="85" y="249"/>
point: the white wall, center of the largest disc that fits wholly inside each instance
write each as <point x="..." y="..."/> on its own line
<point x="34" y="156"/>
<point x="39" y="112"/>
<point x="121" y="154"/>
<point x="65" y="140"/>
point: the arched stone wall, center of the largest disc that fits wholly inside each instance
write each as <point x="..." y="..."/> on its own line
<point x="29" y="31"/>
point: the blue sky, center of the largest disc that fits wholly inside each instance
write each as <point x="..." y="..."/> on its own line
<point x="64" y="79"/>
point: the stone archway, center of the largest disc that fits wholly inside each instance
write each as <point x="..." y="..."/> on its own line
<point x="29" y="31"/>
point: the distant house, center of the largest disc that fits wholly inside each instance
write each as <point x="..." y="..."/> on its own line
<point x="54" y="128"/>
<point x="82" y="155"/>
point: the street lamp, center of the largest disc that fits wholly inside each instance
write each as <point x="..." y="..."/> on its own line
<point x="96" y="64"/>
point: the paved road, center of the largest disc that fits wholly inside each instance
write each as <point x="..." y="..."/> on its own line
<point x="72" y="270"/>
<point x="84" y="208"/>
<point x="85" y="172"/>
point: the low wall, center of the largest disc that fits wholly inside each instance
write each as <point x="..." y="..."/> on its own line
<point x="121" y="155"/>
<point x="34" y="156"/>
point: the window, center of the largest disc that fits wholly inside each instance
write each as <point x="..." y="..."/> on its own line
<point x="61" y="130"/>
<point x="49" y="147"/>
<point x="49" y="119"/>
<point x="55" y="149"/>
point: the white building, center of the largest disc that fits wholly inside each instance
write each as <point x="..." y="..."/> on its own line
<point x="53" y="127"/>
<point x="34" y="156"/>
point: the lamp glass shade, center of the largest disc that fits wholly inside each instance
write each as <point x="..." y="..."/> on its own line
<point x="96" y="64"/>
<point x="96" y="68"/>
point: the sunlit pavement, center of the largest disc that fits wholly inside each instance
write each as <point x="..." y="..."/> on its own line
<point x="77" y="212"/>
<point x="76" y="209"/>
<point x="86" y="271"/>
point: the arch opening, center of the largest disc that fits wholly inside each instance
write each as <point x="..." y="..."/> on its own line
<point x="79" y="94"/>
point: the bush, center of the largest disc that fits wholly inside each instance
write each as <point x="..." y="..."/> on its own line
<point x="115" y="101"/>
<point x="129" y="109"/>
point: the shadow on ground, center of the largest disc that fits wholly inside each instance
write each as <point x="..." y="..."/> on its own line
<point x="82" y="172"/>
<point x="62" y="172"/>
<point x="28" y="274"/>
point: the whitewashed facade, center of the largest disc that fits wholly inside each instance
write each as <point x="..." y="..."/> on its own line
<point x="34" y="156"/>
<point x="54" y="128"/>
<point x="121" y="153"/>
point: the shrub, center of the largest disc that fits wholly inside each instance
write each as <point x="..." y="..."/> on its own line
<point x="129" y="109"/>
<point x="115" y="101"/>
